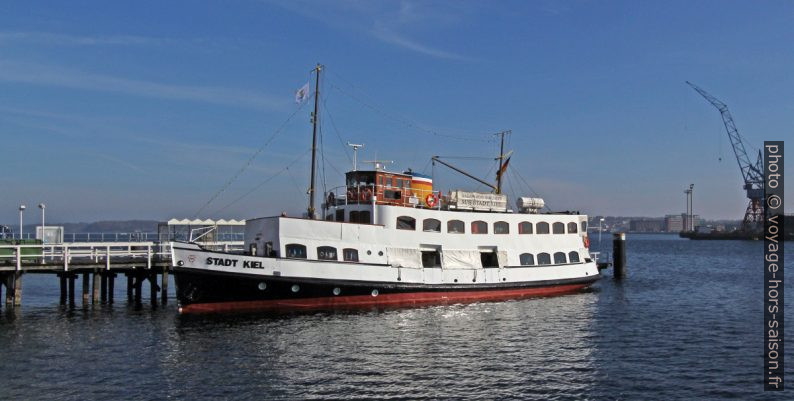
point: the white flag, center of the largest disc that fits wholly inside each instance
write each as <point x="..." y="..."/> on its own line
<point x="302" y="94"/>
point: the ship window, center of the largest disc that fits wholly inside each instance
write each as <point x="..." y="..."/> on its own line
<point x="431" y="259"/>
<point x="558" y="228"/>
<point x="501" y="227"/>
<point x="559" y="258"/>
<point x="479" y="227"/>
<point x="364" y="217"/>
<point x="399" y="183"/>
<point x="296" y="251"/>
<point x="525" y="227"/>
<point x="350" y="254"/>
<point x="391" y="194"/>
<point x="571" y="228"/>
<point x="584" y="226"/>
<point x="431" y="225"/>
<point x="489" y="259"/>
<point x="456" y="227"/>
<point x="380" y="180"/>
<point x="340" y="215"/>
<point x="526" y="259"/>
<point x="573" y="256"/>
<point x="543" y="227"/>
<point x="329" y="217"/>
<point x="354" y="216"/>
<point x="544" y="258"/>
<point x="326" y="253"/>
<point x="406" y="223"/>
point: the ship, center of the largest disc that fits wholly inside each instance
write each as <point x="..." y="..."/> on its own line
<point x="390" y="239"/>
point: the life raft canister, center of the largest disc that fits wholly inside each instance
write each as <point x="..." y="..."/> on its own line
<point x="431" y="200"/>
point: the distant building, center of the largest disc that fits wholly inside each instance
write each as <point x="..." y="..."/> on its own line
<point x="647" y="225"/>
<point x="678" y="222"/>
<point x="674" y="223"/>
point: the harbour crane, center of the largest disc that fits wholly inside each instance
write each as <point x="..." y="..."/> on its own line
<point x="751" y="172"/>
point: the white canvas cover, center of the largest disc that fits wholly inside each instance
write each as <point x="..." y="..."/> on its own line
<point x="404" y="257"/>
<point x="501" y="256"/>
<point x="460" y="259"/>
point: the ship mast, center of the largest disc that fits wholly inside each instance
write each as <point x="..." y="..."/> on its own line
<point x="311" y="209"/>
<point x="501" y="161"/>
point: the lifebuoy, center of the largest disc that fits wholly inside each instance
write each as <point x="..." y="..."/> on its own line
<point x="350" y="195"/>
<point x="366" y="195"/>
<point x="431" y="200"/>
<point x="586" y="240"/>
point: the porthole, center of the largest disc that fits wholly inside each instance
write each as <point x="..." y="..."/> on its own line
<point x="456" y="280"/>
<point x="337" y="291"/>
<point x="380" y="253"/>
<point x="295" y="288"/>
<point x="262" y="286"/>
<point x="369" y="252"/>
<point x="374" y="293"/>
<point x="504" y="279"/>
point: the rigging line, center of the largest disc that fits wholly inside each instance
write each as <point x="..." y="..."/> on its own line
<point x="406" y="122"/>
<point x="399" y="119"/>
<point x="528" y="186"/>
<point x="336" y="131"/>
<point x="322" y="157"/>
<point x="424" y="169"/>
<point x="465" y="157"/>
<point x="294" y="182"/>
<point x="250" y="160"/>
<point x="252" y="190"/>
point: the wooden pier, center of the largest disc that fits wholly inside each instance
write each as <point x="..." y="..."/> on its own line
<point x="96" y="264"/>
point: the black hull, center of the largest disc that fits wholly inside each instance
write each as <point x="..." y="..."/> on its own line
<point x="203" y="291"/>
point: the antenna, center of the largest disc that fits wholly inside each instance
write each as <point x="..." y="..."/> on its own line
<point x="379" y="164"/>
<point x="355" y="147"/>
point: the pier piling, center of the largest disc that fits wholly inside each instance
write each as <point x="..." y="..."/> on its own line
<point x="619" y="255"/>
<point x="72" y="277"/>
<point x="95" y="294"/>
<point x="111" y="284"/>
<point x="153" y="287"/>
<point x="86" y="285"/>
<point x="130" y="283"/>
<point x="164" y="285"/>
<point x="103" y="297"/>
<point x="62" y="279"/>
<point x="18" y="288"/>
<point x="9" y="279"/>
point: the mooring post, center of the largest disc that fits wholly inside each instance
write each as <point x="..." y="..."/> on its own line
<point x="86" y="285"/>
<point x="62" y="279"/>
<point x="104" y="287"/>
<point x="72" y="277"/>
<point x="164" y="285"/>
<point x="619" y="255"/>
<point x="111" y="282"/>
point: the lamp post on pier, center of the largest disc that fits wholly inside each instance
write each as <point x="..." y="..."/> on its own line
<point x="600" y="222"/>
<point x="21" y="209"/>
<point x="42" y="207"/>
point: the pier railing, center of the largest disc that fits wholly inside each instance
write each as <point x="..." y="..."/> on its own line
<point x="66" y="255"/>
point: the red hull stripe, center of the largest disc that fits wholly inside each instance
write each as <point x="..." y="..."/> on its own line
<point x="385" y="300"/>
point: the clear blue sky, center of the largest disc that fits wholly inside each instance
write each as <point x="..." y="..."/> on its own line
<point x="144" y="109"/>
